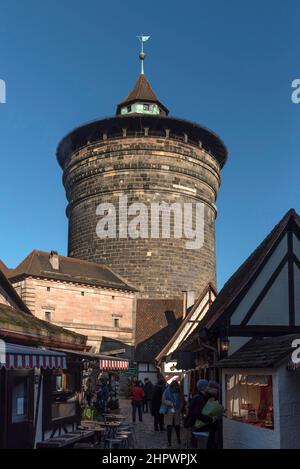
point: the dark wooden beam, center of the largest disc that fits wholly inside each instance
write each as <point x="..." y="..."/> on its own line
<point x="265" y="331"/>
<point x="292" y="312"/>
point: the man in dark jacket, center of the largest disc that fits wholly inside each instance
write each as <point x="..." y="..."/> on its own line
<point x="195" y="413"/>
<point x="157" y="393"/>
<point x="148" y="390"/>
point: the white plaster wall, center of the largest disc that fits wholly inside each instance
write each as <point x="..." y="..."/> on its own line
<point x="260" y="282"/>
<point x="289" y="404"/>
<point x="239" y="435"/>
<point x="274" y="308"/>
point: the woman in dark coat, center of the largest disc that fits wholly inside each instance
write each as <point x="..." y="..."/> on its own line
<point x="158" y="391"/>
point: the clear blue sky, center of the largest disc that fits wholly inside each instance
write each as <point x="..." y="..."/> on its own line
<point x="225" y="64"/>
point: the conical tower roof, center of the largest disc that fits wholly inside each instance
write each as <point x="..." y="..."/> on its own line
<point x="142" y="92"/>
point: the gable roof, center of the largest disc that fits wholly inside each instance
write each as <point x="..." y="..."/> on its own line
<point x="157" y="320"/>
<point x="240" y="279"/>
<point x="37" y="264"/>
<point x="142" y="91"/>
<point x="247" y="270"/>
<point x="260" y="353"/>
<point x="190" y="322"/>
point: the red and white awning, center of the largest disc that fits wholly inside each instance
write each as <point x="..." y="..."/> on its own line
<point x="113" y="365"/>
<point x="106" y="362"/>
<point x="23" y="357"/>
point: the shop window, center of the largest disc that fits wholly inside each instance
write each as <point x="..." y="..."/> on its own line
<point x="249" y="399"/>
<point x="63" y="395"/>
<point x="63" y="382"/>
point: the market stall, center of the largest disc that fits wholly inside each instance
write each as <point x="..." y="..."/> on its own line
<point x="261" y="390"/>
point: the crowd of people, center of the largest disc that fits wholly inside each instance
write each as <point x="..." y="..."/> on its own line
<point x="170" y="410"/>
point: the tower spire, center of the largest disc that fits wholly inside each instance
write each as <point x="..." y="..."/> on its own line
<point x="142" y="55"/>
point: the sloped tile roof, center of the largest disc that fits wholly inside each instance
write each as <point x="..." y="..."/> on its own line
<point x="260" y="353"/>
<point x="156" y="322"/>
<point x="142" y="91"/>
<point x="37" y="264"/>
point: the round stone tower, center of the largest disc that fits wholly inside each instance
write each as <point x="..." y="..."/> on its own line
<point x="122" y="177"/>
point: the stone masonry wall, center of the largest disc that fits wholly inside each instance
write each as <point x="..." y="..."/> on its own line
<point x="86" y="310"/>
<point x="145" y="169"/>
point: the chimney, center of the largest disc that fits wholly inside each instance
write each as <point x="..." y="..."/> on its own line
<point x="54" y="260"/>
<point x="188" y="300"/>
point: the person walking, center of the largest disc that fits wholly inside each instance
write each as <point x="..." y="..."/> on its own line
<point x="137" y="395"/>
<point x="148" y="390"/>
<point x="172" y="400"/>
<point x="157" y="393"/>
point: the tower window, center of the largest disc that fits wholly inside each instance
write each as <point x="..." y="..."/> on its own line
<point x="146" y="107"/>
<point x="82" y="293"/>
<point x="47" y="316"/>
<point x="128" y="108"/>
<point x="116" y="323"/>
<point x="48" y="288"/>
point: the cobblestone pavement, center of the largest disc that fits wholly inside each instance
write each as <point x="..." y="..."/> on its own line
<point x="145" y="434"/>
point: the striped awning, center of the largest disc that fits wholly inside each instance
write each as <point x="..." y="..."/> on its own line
<point x="106" y="362"/>
<point x="23" y="357"/>
<point x="113" y="364"/>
